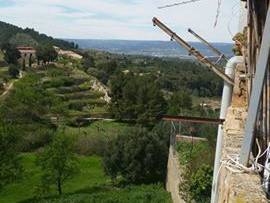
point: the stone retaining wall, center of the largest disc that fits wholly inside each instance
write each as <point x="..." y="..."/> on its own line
<point x="174" y="176"/>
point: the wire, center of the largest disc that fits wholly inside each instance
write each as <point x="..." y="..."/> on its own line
<point x="233" y="14"/>
<point x="177" y="4"/>
<point x="218" y="12"/>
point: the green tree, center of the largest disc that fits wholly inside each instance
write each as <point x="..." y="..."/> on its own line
<point x="138" y="155"/>
<point x="136" y="97"/>
<point x="58" y="162"/>
<point x="180" y="102"/>
<point x="46" y="53"/>
<point x="11" y="53"/>
<point x="88" y="61"/>
<point x="14" y="70"/>
<point x="10" y="165"/>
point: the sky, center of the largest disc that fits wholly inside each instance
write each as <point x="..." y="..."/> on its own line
<point x="122" y="19"/>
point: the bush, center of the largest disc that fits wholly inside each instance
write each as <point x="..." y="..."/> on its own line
<point x="90" y="145"/>
<point x="71" y="89"/>
<point x="201" y="184"/>
<point x="3" y="63"/>
<point x="58" y="82"/>
<point x="35" y="139"/>
<point x="76" y="105"/>
<point x="10" y="164"/>
<point x="83" y="95"/>
<point x="77" y="122"/>
<point x="196" y="160"/>
<point x="138" y="155"/>
<point x="14" y="70"/>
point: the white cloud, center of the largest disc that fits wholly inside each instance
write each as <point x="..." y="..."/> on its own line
<point x="121" y="19"/>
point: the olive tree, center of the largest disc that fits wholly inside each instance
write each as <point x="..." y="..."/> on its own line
<point x="58" y="162"/>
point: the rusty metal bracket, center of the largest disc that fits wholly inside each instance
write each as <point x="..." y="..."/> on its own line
<point x="215" y="50"/>
<point x="188" y="119"/>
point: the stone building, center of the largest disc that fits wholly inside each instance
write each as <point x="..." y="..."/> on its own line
<point x="28" y="55"/>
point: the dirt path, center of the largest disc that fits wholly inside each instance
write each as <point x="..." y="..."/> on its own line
<point x="10" y="86"/>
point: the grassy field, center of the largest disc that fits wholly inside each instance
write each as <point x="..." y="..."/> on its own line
<point x="100" y="128"/>
<point x="213" y="102"/>
<point x="89" y="185"/>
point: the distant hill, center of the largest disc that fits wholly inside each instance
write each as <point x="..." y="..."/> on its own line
<point x="28" y="37"/>
<point x="149" y="48"/>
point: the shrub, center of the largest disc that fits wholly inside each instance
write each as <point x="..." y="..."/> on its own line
<point x="201" y="184"/>
<point x="10" y="165"/>
<point x="77" y="122"/>
<point x="14" y="70"/>
<point x="58" y="82"/>
<point x="3" y="63"/>
<point x="71" y="89"/>
<point x="138" y="155"/>
<point x="76" y="105"/>
<point x="38" y="137"/>
<point x="90" y="145"/>
<point x="196" y="160"/>
<point x="83" y="95"/>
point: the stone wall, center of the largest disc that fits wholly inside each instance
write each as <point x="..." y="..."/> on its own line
<point x="174" y="177"/>
<point x="234" y="187"/>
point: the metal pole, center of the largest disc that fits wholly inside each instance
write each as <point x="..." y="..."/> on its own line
<point x="215" y="50"/>
<point x="225" y="103"/>
<point x="193" y="51"/>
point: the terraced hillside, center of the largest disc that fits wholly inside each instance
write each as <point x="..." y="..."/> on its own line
<point x="76" y="89"/>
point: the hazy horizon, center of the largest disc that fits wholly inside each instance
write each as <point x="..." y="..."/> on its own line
<point x="140" y="40"/>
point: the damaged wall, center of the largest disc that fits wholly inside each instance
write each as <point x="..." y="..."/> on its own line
<point x="235" y="187"/>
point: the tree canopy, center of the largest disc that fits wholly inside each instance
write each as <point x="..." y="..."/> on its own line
<point x="11" y="53"/>
<point x="46" y="53"/>
<point x="10" y="165"/>
<point x="58" y="162"/>
<point x="138" y="155"/>
<point x="136" y="97"/>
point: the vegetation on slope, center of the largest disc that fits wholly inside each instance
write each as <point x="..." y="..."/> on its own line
<point x="196" y="161"/>
<point x="138" y="155"/>
<point x="61" y="96"/>
<point x="28" y="37"/>
<point x="90" y="185"/>
<point x="172" y="74"/>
